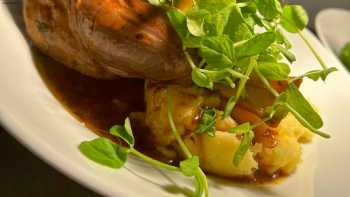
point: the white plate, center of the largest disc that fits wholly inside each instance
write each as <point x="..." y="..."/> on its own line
<point x="331" y="27"/>
<point x="36" y="119"/>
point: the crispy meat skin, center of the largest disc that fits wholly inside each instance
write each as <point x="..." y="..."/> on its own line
<point x="107" y="38"/>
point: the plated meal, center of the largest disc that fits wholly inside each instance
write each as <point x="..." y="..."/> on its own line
<point x="201" y="87"/>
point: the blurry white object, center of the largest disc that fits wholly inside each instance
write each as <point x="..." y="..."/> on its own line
<point x="333" y="28"/>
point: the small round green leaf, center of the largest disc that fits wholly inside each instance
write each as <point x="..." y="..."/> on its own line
<point x="294" y="18"/>
<point x="124" y="132"/>
<point x="201" y="80"/>
<point x="270" y="9"/>
<point x="256" y="45"/>
<point x="195" y="22"/>
<point x="105" y="152"/>
<point x="218" y="52"/>
<point x="273" y="70"/>
<point x="178" y="20"/>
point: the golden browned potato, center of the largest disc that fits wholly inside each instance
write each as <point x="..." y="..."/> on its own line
<point x="216" y="153"/>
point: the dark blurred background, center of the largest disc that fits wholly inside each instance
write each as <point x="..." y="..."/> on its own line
<point x="23" y="174"/>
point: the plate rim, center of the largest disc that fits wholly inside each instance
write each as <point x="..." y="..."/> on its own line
<point x="65" y="167"/>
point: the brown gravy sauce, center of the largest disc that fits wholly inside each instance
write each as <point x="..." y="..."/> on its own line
<point x="100" y="104"/>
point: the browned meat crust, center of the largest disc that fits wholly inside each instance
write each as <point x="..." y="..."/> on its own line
<point x="107" y="38"/>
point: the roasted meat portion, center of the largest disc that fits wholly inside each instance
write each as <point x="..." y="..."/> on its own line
<point x="107" y="38"/>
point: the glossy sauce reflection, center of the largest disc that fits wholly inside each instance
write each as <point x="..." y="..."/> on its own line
<point x="99" y="104"/>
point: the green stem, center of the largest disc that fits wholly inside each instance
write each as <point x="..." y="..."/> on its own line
<point x="305" y="122"/>
<point x="239" y="43"/>
<point x="173" y="127"/>
<point x="243" y="4"/>
<point x="266" y="26"/>
<point x="243" y="81"/>
<point x="153" y="161"/>
<point x="292" y="80"/>
<point x="183" y="147"/>
<point x="313" y="50"/>
<point x="241" y="85"/>
<point x="189" y="59"/>
<point x="205" y="183"/>
<point x="230" y="82"/>
<point x="237" y="74"/>
<point x="266" y="83"/>
<point x="201" y="64"/>
<point x="264" y="120"/>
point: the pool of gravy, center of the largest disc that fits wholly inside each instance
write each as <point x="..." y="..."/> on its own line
<point x="100" y="104"/>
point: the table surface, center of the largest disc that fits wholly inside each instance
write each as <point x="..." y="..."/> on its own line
<point x="23" y="174"/>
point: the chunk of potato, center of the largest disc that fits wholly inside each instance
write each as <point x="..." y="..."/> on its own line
<point x="216" y="154"/>
<point x="286" y="155"/>
<point x="290" y="126"/>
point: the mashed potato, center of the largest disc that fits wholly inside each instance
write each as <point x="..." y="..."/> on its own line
<point x="215" y="157"/>
<point x="216" y="153"/>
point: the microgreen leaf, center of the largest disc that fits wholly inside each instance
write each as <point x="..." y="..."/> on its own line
<point x="192" y="42"/>
<point x="317" y="74"/>
<point x="189" y="167"/>
<point x="201" y="79"/>
<point x="105" y="152"/>
<point x="281" y="38"/>
<point x="256" y="45"/>
<point x="244" y="146"/>
<point x="294" y="18"/>
<point x="207" y="122"/>
<point x="195" y="22"/>
<point x="216" y="75"/>
<point x="345" y="55"/>
<point x="241" y="129"/>
<point x="233" y="99"/>
<point x="213" y="5"/>
<point x="257" y="20"/>
<point x="270" y="9"/>
<point x="293" y="101"/>
<point x="217" y="21"/>
<point x="297" y="101"/>
<point x="124" y="132"/>
<point x="287" y="54"/>
<point x="229" y="106"/>
<point x="218" y="52"/>
<point x="178" y="20"/>
<point x="236" y="28"/>
<point x="274" y="71"/>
